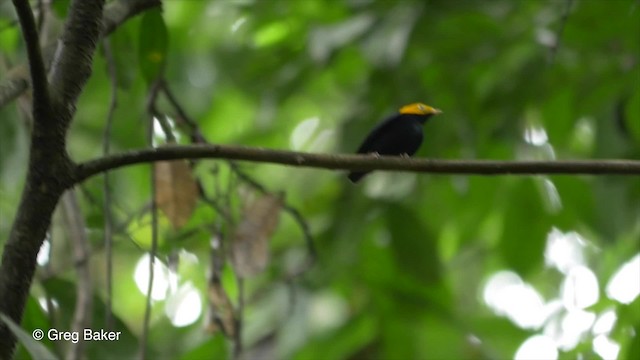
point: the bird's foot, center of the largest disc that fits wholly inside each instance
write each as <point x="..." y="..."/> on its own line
<point x="405" y="155"/>
<point x="375" y="154"/>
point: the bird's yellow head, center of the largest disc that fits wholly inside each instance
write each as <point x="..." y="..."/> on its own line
<point x="419" y="109"/>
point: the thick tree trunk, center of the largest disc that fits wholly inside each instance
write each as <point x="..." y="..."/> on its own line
<point x="43" y="189"/>
<point x="18" y="259"/>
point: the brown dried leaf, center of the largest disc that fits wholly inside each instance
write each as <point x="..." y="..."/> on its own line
<point x="250" y="241"/>
<point x="176" y="191"/>
<point x="221" y="311"/>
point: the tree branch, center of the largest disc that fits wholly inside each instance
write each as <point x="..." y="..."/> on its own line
<point x="71" y="66"/>
<point x="356" y="162"/>
<point x="36" y="65"/>
<point x="50" y="169"/>
<point x="115" y="14"/>
<point x="12" y="87"/>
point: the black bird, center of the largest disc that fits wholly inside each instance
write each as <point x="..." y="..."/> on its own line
<point x="400" y="134"/>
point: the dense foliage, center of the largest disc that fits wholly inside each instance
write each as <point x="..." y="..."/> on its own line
<point x="406" y="263"/>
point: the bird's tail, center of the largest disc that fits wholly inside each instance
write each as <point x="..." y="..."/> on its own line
<point x="355" y="176"/>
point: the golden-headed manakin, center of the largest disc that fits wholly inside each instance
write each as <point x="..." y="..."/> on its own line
<point x="399" y="134"/>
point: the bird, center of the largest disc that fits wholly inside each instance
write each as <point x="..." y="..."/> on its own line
<point x="397" y="135"/>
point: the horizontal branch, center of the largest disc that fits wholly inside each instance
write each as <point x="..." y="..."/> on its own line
<point x="356" y="162"/>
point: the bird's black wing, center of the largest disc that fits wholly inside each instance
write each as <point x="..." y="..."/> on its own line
<point x="377" y="131"/>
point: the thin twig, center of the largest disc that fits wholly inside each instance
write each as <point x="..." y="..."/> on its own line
<point x="219" y="307"/>
<point x="198" y="137"/>
<point x="40" y="6"/>
<point x="308" y="239"/>
<point x="214" y="204"/>
<point x="132" y="215"/>
<point x="357" y="162"/>
<point x="183" y="118"/>
<point x="144" y="338"/>
<point x="76" y="226"/>
<point x="237" y="335"/>
<point x="108" y="218"/>
<point x="553" y="51"/>
<point x="154" y="235"/>
<point x="163" y="121"/>
<point x="39" y="81"/>
<point x="297" y="217"/>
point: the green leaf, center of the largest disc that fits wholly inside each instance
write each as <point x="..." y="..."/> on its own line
<point x="61" y="8"/>
<point x="9" y="36"/>
<point x="214" y="348"/>
<point x="34" y="347"/>
<point x="153" y="45"/>
<point x="577" y="201"/>
<point x="64" y="293"/>
<point x="634" y="349"/>
<point x="632" y="117"/>
<point x="413" y="245"/>
<point x="500" y="337"/>
<point x="34" y="317"/>
<point x="558" y="115"/>
<point x="124" y="54"/>
<point x="272" y="34"/>
<point x="526" y="226"/>
<point x="349" y="340"/>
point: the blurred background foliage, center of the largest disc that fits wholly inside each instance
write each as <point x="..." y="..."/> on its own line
<point x="409" y="266"/>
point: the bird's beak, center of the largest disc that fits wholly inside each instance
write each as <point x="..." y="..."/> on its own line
<point x="437" y="111"/>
